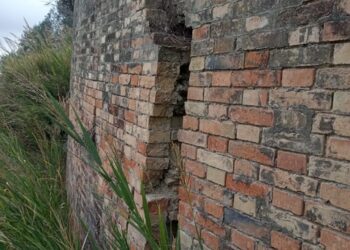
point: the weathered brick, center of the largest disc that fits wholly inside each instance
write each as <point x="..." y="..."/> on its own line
<point x="217" y="111"/>
<point x="252" y="152"/>
<point x="255" y="97"/>
<point x="193" y="138"/>
<point x="341" y="53"/>
<point x="286" y="180"/>
<point x="338" y="147"/>
<point x="298" y="77"/>
<point x="263" y="40"/>
<point x="333" y="78"/>
<point x="341" y="101"/>
<point x="337" y="196"/>
<point x="223" y="11"/>
<point x="210" y="225"/>
<point x="222" y="78"/>
<point x="253" y="116"/>
<point x="328" y="169"/>
<point x="327" y="216"/>
<point x="304" y="35"/>
<point x="242" y="241"/>
<point x="245" y="204"/>
<point x="291" y="162"/>
<point x="226" y="129"/>
<point x="301" y="56"/>
<point x="223" y="95"/>
<point x="314" y="99"/>
<point x="224" y="45"/>
<point x="324" y="123"/>
<point x="256" y="59"/>
<point x="200" y="79"/>
<point x="345" y="6"/>
<point x="196" y="108"/>
<point x="197" y="63"/>
<point x="201" y="32"/>
<point x="336" y="30"/>
<point x="216" y="175"/>
<point x="297" y="226"/>
<point x="334" y="241"/>
<point x="217" y="144"/>
<point x="248" y="133"/>
<point x="256" y="78"/>
<point x="288" y="201"/>
<point x="215" y="160"/>
<point x="283" y="242"/>
<point x="246" y="168"/>
<point x="256" y="22"/>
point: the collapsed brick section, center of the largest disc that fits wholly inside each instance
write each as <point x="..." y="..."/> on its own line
<point x="265" y="136"/>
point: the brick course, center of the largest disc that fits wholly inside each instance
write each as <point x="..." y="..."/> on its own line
<point x="258" y="99"/>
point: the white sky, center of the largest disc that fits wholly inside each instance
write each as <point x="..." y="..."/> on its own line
<point x="13" y="13"/>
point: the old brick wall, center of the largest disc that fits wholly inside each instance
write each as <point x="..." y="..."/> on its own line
<point x="266" y="134"/>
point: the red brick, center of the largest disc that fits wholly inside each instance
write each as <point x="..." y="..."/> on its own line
<point x="283" y="242"/>
<point x="292" y="162"/>
<point x="222" y="78"/>
<point x="254" y="116"/>
<point x="256" y="78"/>
<point x="210" y="225"/>
<point x="190" y="122"/>
<point x="223" y="95"/>
<point x="217" y="144"/>
<point x="254" y="189"/>
<point x="186" y="210"/>
<point x="130" y="116"/>
<point x="298" y="77"/>
<point x="256" y="59"/>
<point x="334" y="241"/>
<point x="195" y="168"/>
<point x="195" y="93"/>
<point x="242" y="241"/>
<point x="339" y="148"/>
<point x="201" y="32"/>
<point x="213" y="208"/>
<point x="210" y="240"/>
<point x="337" y="196"/>
<point x="214" y="127"/>
<point x="134" y="80"/>
<point x="188" y="151"/>
<point x="255" y="97"/>
<point x="252" y="152"/>
<point x="288" y="201"/>
<point x="187" y="226"/>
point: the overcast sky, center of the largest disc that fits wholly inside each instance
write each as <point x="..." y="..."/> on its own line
<point x="13" y="13"/>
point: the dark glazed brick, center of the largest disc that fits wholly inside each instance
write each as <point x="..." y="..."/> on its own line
<point x="230" y="61"/>
<point x="247" y="224"/>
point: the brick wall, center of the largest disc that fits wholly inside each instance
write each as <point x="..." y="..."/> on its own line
<point x="266" y="129"/>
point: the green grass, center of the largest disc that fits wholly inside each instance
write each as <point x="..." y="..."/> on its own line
<point x="34" y="212"/>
